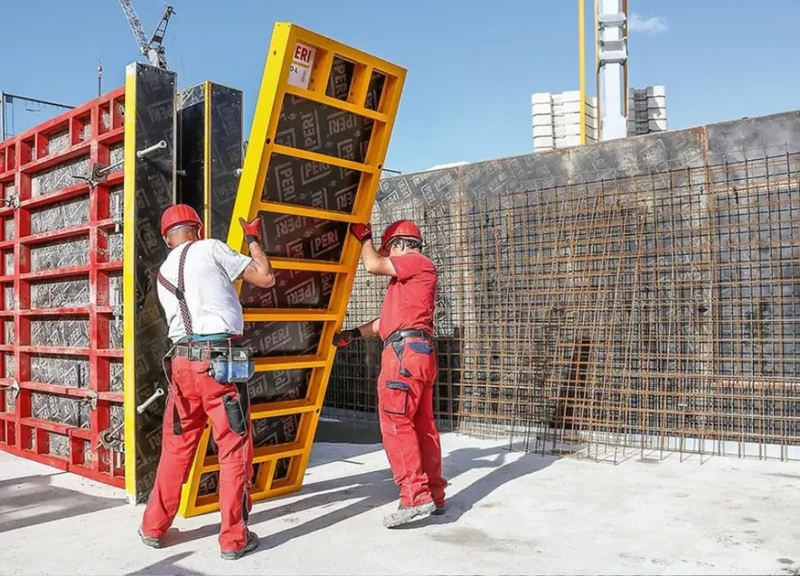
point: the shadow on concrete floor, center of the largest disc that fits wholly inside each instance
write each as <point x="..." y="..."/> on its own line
<point x="375" y="489"/>
<point x="348" y="431"/>
<point x="168" y="566"/>
<point x="32" y="500"/>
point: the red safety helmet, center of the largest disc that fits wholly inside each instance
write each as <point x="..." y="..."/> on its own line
<point x="399" y="229"/>
<point x="180" y="214"/>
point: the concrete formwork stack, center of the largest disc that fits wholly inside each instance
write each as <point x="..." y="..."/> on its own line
<point x="556" y="120"/>
<point x="647" y="110"/>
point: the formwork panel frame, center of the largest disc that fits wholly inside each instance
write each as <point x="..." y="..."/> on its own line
<point x="264" y="145"/>
<point x="26" y="162"/>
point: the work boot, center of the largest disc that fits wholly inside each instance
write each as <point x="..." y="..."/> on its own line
<point x="252" y="544"/>
<point x="405" y="514"/>
<point x="440" y="510"/>
<point x="149" y="540"/>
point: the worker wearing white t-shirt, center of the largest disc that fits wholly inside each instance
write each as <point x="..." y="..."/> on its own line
<point x="195" y="289"/>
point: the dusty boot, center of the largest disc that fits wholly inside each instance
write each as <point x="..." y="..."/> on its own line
<point x="149" y="540"/>
<point x="252" y="544"/>
<point x="405" y="514"/>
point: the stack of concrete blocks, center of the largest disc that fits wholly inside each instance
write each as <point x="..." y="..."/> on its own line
<point x="647" y="110"/>
<point x="557" y="120"/>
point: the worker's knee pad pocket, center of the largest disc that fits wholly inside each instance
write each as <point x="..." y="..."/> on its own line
<point x="421" y="347"/>
<point x="237" y="418"/>
<point x="395" y="398"/>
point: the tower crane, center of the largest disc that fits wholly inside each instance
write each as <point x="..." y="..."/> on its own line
<point x="153" y="49"/>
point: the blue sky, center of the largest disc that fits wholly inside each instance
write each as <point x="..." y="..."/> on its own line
<point x="471" y="69"/>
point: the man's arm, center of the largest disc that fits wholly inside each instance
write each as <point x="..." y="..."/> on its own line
<point x="370" y="329"/>
<point x="259" y="272"/>
<point x="367" y="330"/>
<point x="375" y="263"/>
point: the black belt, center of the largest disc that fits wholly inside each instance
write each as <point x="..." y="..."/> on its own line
<point x="400" y="335"/>
<point x="200" y="351"/>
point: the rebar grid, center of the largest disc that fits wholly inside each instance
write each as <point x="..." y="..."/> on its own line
<point x="657" y="312"/>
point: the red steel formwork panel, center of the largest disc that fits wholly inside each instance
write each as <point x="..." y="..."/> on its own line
<point x="61" y="245"/>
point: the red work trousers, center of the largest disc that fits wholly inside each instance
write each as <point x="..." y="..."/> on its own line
<point x="405" y="407"/>
<point x="194" y="398"/>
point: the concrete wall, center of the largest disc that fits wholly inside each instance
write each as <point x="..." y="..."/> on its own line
<point x="693" y="147"/>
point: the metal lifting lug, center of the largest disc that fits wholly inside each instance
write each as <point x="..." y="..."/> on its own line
<point x="144" y="405"/>
<point x="100" y="172"/>
<point x="160" y="145"/>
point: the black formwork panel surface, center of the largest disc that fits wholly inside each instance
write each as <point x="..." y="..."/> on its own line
<point x="210" y="132"/>
<point x="190" y="186"/>
<point x="226" y="153"/>
<point x="154" y="97"/>
<point x="311" y="184"/>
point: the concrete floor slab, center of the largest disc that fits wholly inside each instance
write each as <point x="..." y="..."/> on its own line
<point x="508" y="514"/>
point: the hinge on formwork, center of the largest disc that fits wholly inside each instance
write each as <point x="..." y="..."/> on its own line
<point x="91" y="398"/>
<point x="117" y="218"/>
<point x="116" y="307"/>
<point x="12" y="200"/>
<point x="13" y="388"/>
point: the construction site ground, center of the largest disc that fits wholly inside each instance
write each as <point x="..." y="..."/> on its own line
<point x="509" y="513"/>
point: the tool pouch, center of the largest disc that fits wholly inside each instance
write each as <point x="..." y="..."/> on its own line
<point x="234" y="365"/>
<point x="237" y="409"/>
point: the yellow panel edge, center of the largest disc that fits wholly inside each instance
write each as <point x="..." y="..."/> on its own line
<point x="129" y="286"/>
<point x="277" y="58"/>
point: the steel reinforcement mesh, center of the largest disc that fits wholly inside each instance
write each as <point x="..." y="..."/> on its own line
<point x="656" y="312"/>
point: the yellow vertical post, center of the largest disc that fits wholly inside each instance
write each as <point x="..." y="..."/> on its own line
<point x="582" y="64"/>
<point x="597" y="68"/>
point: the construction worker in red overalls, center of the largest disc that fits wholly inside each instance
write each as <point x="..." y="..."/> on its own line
<point x="195" y="289"/>
<point x="408" y="367"/>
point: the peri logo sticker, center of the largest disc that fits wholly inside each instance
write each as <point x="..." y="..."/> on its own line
<point x="300" y="68"/>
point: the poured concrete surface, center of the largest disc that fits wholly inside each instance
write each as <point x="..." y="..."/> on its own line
<point x="509" y="514"/>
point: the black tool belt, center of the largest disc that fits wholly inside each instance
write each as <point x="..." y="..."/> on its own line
<point x="196" y="351"/>
<point x="400" y="335"/>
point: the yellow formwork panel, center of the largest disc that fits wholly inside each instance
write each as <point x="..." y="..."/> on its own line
<point x="320" y="134"/>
